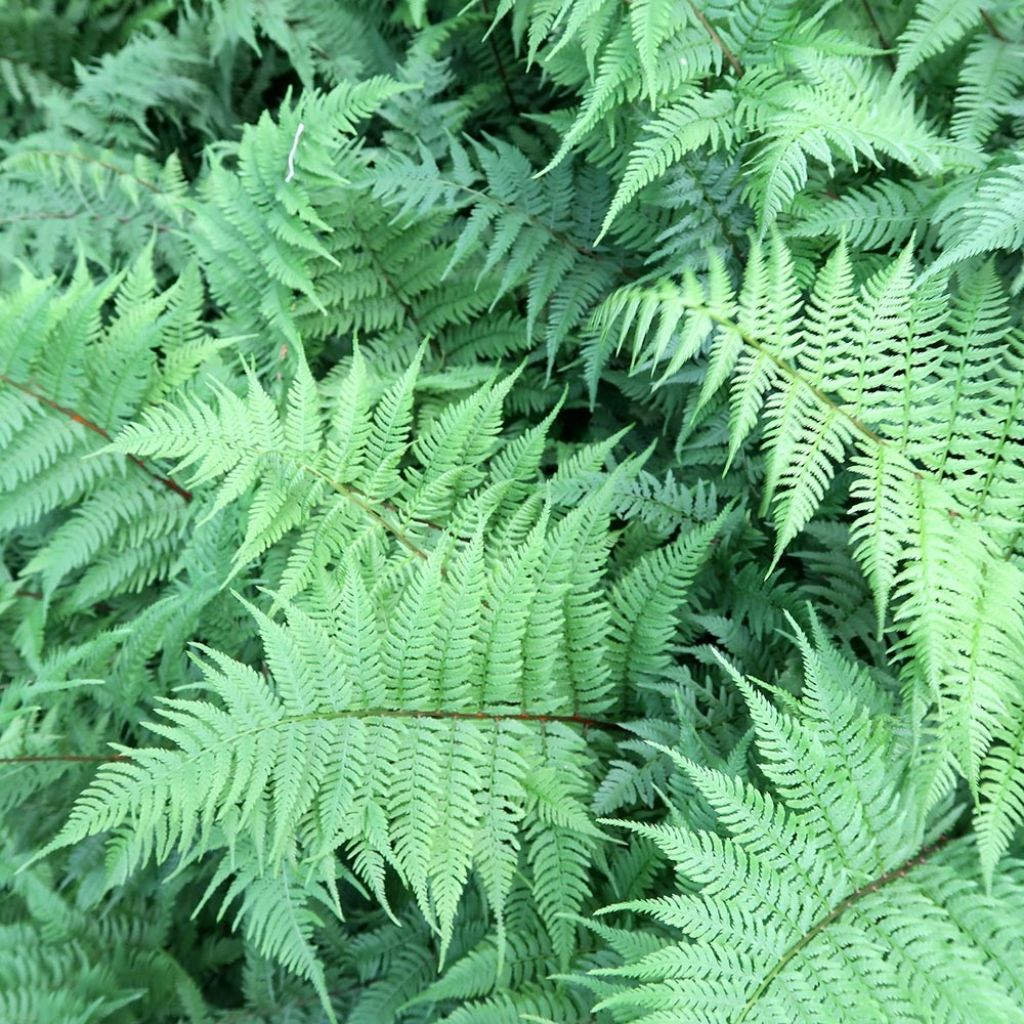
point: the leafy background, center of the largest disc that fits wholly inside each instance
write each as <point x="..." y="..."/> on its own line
<point x="511" y="511"/>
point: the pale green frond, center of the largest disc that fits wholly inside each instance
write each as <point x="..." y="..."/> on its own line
<point x="989" y="79"/>
<point x="817" y="906"/>
<point x="687" y="125"/>
<point x="427" y="428"/>
<point x="990" y="220"/>
<point x="935" y="26"/>
<point x="646" y="600"/>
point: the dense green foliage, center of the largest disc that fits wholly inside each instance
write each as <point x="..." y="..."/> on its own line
<point x="511" y="511"/>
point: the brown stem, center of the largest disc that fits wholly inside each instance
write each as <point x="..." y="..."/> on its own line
<point x="512" y="105"/>
<point x="76" y="758"/>
<point x="992" y="26"/>
<point x="82" y="421"/>
<point x="449" y="716"/>
<point x="718" y="40"/>
<point x="886" y="45"/>
<point x="357" y="499"/>
<point x="791" y="372"/>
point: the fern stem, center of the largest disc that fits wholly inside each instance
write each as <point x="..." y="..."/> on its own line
<point x="793" y="375"/>
<point x="76" y="758"/>
<point x="362" y="713"/>
<point x="88" y="424"/>
<point x="731" y="57"/>
<point x="113" y="168"/>
<point x="836" y="912"/>
<point x="992" y="27"/>
<point x="462" y="716"/>
<point x="876" y="25"/>
<point x="358" y="500"/>
<point x="500" y="64"/>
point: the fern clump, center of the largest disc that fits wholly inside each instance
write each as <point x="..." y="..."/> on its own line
<point x="511" y="512"/>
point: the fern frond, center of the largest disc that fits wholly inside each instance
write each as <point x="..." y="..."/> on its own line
<point x="990" y="220"/>
<point x="418" y="723"/>
<point x="842" y="110"/>
<point x="990" y="76"/>
<point x="828" y="897"/>
<point x="277" y="917"/>
<point x="417" y="424"/>
<point x="268" y="225"/>
<point x="647" y="598"/>
<point x="935" y="26"/>
<point x="879" y="216"/>
<point x="528" y="228"/>
<point x="60" y="406"/>
<point x="694" y="122"/>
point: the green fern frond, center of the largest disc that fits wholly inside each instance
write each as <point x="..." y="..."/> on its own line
<point x="419" y="722"/>
<point x="691" y="123"/>
<point x="418" y="421"/>
<point x="277" y="916"/>
<point x="829" y="897"/>
<point x="753" y="25"/>
<point x="990" y="76"/>
<point x="843" y="110"/>
<point x="59" y="407"/>
<point x="268" y="219"/>
<point x="59" y="961"/>
<point x="879" y="216"/>
<point x="646" y="599"/>
<point x="990" y="219"/>
<point x="296" y="759"/>
<point x="935" y="26"/>
<point x="527" y="228"/>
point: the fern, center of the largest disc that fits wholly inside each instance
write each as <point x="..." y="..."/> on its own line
<point x="60" y="408"/>
<point x="989" y="79"/>
<point x="988" y="221"/>
<point x="265" y="218"/>
<point x="885" y="215"/>
<point x="419" y="421"/>
<point x="840" y="111"/>
<point x="528" y="227"/>
<point x="681" y="129"/>
<point x="935" y="26"/>
<point x="443" y="743"/>
<point x="918" y="515"/>
<point x="833" y="897"/>
<point x="58" y="962"/>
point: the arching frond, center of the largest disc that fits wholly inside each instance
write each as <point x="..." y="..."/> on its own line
<point x="827" y="899"/>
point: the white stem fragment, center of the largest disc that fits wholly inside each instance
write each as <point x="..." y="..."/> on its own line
<point x="291" y="152"/>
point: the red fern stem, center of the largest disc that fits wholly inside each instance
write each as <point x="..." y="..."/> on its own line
<point x="458" y="716"/>
<point x="488" y="716"/>
<point x="47" y="758"/>
<point x="81" y="420"/>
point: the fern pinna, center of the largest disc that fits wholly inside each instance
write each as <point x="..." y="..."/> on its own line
<point x="511" y="511"/>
